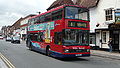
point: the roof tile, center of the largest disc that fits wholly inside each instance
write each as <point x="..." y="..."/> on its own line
<point x="87" y="3"/>
<point x="59" y="3"/>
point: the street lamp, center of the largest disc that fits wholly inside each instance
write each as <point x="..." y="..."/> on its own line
<point x="39" y="12"/>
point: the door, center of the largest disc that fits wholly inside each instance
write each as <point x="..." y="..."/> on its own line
<point x="115" y="38"/>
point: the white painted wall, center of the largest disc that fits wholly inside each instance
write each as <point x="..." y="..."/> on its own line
<point x="98" y="38"/>
<point x="97" y="14"/>
<point x="23" y="29"/>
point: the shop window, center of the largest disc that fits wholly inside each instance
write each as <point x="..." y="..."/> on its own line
<point x="108" y="14"/>
<point x="92" y="39"/>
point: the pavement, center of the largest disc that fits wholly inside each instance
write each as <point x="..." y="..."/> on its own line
<point x="105" y="54"/>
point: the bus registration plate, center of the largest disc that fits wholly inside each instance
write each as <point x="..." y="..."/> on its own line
<point x="78" y="55"/>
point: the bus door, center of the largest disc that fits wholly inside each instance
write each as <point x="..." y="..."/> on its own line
<point x="41" y="39"/>
<point x="58" y="41"/>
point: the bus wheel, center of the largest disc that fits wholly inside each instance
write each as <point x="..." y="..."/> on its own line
<point x="30" y="48"/>
<point x="48" y="51"/>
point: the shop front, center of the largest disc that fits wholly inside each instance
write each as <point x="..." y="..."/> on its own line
<point x="115" y="35"/>
<point x="114" y="29"/>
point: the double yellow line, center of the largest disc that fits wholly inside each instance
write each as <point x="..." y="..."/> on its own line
<point x="8" y="63"/>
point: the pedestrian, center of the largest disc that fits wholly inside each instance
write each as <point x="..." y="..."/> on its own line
<point x="110" y="44"/>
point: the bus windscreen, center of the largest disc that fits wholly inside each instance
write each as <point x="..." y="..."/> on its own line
<point x="76" y="13"/>
<point x="75" y="37"/>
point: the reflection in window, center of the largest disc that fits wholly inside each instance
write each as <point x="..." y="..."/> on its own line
<point x="75" y="37"/>
<point x="48" y="17"/>
<point x="92" y="39"/>
<point x="57" y="14"/>
<point x="40" y="37"/>
<point x="58" y="38"/>
<point x="33" y="36"/>
<point x="71" y="12"/>
<point x="76" y="13"/>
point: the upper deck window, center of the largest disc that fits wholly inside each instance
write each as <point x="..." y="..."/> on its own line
<point x="76" y="13"/>
<point x="56" y="15"/>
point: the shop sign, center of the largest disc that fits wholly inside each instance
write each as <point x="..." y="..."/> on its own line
<point x="117" y="16"/>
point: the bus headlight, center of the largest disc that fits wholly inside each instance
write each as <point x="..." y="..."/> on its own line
<point x="66" y="50"/>
<point x="88" y="50"/>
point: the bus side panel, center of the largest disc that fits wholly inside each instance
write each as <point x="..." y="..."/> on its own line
<point x="58" y="27"/>
<point x="38" y="46"/>
<point x="57" y="48"/>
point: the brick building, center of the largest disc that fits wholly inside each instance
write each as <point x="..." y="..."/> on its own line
<point x="23" y="26"/>
<point x="6" y="31"/>
<point x="3" y="30"/>
<point x="15" y="28"/>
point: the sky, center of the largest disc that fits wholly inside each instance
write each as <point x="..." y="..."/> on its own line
<point x="12" y="10"/>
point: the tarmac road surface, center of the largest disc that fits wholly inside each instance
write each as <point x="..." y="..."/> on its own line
<point x="21" y="57"/>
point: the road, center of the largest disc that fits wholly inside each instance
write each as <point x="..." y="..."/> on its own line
<point x="21" y="57"/>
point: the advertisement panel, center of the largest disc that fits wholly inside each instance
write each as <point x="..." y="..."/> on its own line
<point x="44" y="26"/>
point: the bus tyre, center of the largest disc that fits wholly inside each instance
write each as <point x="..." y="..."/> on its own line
<point x="48" y="52"/>
<point x="30" y="48"/>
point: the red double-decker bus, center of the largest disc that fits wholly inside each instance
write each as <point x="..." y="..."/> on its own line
<point x="60" y="32"/>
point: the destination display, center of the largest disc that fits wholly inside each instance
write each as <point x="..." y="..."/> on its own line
<point x="77" y="24"/>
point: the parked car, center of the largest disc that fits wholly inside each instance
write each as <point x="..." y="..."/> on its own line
<point x="15" y="40"/>
<point x="8" y="39"/>
<point x="1" y="37"/>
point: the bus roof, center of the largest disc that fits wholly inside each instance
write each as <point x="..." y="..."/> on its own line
<point x="62" y="6"/>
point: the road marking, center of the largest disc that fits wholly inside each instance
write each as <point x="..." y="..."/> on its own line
<point x="8" y="63"/>
<point x="2" y="64"/>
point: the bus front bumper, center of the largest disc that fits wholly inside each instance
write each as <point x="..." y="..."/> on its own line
<point x="59" y="55"/>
